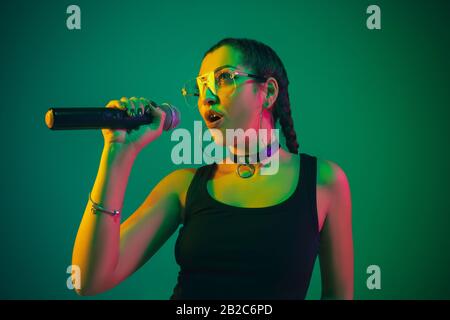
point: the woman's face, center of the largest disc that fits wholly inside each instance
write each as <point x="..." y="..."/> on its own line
<point x="239" y="110"/>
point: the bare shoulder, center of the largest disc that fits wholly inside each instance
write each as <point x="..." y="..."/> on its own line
<point x="179" y="180"/>
<point x="333" y="190"/>
<point x="330" y="175"/>
<point x="182" y="174"/>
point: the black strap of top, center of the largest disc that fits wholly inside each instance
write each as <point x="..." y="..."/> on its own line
<point x="195" y="189"/>
<point x="307" y="183"/>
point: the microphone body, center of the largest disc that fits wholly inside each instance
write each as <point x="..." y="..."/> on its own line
<point x="108" y="118"/>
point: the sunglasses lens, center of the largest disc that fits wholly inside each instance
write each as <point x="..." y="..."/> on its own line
<point x="224" y="83"/>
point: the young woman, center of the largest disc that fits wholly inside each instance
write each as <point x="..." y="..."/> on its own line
<point x="244" y="235"/>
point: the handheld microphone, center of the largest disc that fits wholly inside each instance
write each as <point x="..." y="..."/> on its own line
<point x="99" y="118"/>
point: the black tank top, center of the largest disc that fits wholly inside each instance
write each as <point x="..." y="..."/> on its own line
<point x="228" y="252"/>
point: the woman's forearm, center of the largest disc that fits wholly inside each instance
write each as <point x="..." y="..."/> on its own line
<point x="96" y="249"/>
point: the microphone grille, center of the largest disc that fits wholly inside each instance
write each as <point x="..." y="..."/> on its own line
<point x="172" y="116"/>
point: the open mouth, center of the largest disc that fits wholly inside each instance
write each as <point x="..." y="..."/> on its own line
<point x="213" y="118"/>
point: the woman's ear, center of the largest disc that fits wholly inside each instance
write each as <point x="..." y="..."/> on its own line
<point x="271" y="93"/>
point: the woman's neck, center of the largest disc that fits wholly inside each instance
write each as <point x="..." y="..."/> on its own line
<point x="256" y="153"/>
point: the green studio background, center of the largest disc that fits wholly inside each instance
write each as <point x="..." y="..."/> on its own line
<point x="374" y="101"/>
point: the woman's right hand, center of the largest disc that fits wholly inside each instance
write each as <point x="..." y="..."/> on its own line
<point x="138" y="138"/>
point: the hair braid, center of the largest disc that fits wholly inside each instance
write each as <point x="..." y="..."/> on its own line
<point x="282" y="112"/>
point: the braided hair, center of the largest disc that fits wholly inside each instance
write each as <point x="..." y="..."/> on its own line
<point x="264" y="61"/>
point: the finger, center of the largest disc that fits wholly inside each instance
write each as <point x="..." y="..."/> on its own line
<point x="129" y="105"/>
<point x="156" y="112"/>
<point x="143" y="104"/>
<point x="133" y="106"/>
<point x="114" y="104"/>
<point x="158" y="117"/>
<point x="148" y="131"/>
<point x="148" y="105"/>
<point x="161" y="115"/>
<point x="125" y="102"/>
<point x="138" y="105"/>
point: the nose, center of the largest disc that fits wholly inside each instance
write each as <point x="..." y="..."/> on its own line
<point x="209" y="99"/>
